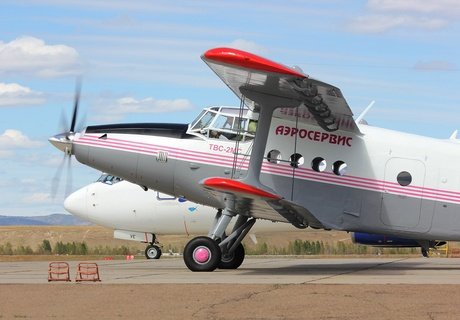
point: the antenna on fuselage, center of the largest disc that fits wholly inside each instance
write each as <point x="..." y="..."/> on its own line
<point x="361" y="116"/>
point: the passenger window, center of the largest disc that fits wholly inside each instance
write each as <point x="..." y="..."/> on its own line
<point x="296" y="160"/>
<point x="339" y="168"/>
<point x="319" y="164"/>
<point x="404" y="178"/>
<point x="274" y="156"/>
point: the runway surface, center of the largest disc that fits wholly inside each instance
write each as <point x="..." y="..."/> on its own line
<point x="268" y="270"/>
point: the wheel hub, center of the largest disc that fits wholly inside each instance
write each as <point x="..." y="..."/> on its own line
<point x="201" y="255"/>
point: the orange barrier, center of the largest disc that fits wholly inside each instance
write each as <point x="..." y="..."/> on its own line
<point x="87" y="271"/>
<point x="58" y="271"/>
<point x="440" y="251"/>
<point x="454" y="253"/>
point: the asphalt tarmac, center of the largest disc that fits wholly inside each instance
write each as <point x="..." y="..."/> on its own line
<point x="267" y="270"/>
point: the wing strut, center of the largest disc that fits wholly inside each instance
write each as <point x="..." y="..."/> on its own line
<point x="295" y="160"/>
<point x="237" y="140"/>
<point x="266" y="105"/>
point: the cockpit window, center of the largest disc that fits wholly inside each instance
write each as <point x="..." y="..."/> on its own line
<point x="109" y="179"/>
<point x="224" y="123"/>
<point x="203" y="120"/>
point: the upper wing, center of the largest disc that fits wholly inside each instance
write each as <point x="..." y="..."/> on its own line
<point x="319" y="103"/>
<point x="258" y="203"/>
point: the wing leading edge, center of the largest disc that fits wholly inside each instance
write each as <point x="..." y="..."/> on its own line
<point x="318" y="103"/>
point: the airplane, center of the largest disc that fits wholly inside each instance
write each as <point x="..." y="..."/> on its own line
<point x="139" y="215"/>
<point x="309" y="162"/>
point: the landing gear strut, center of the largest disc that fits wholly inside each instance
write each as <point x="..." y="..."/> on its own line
<point x="425" y="252"/>
<point x="217" y="250"/>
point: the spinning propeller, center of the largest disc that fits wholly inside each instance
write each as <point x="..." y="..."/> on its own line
<point x="64" y="142"/>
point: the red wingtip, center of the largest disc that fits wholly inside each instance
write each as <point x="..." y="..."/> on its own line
<point x="231" y="185"/>
<point x="248" y="60"/>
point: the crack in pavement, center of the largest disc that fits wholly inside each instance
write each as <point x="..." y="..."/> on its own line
<point x="353" y="271"/>
<point x="246" y="297"/>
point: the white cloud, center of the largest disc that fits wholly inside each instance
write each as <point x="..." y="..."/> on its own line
<point x="39" y="197"/>
<point x="13" y="94"/>
<point x="384" y="15"/>
<point x="440" y="7"/>
<point x="6" y="153"/>
<point x="249" y="46"/>
<point x="437" y="65"/>
<point x="30" y="55"/>
<point x="29" y="181"/>
<point x="14" y="139"/>
<point x="381" y="23"/>
<point x="136" y="5"/>
<point x="110" y="110"/>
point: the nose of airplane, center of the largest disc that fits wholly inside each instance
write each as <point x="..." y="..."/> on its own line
<point x="76" y="203"/>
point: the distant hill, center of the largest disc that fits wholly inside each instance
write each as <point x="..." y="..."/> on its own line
<point x="56" y="219"/>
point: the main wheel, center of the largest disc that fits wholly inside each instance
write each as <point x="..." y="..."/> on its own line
<point x="152" y="252"/>
<point x="233" y="260"/>
<point x="202" y="254"/>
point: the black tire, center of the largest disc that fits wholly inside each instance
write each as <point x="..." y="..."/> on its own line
<point x="232" y="261"/>
<point x="152" y="252"/>
<point x="202" y="254"/>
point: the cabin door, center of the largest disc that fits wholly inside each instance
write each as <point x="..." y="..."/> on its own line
<point x="402" y="194"/>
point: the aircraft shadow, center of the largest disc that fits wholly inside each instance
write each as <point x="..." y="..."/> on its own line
<point x="325" y="269"/>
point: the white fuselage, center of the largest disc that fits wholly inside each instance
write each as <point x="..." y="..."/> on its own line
<point x="126" y="206"/>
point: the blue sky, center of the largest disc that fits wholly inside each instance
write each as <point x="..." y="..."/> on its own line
<point x="140" y="61"/>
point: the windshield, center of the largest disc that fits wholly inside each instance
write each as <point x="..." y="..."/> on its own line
<point x="203" y="120"/>
<point x="224" y="123"/>
<point x="109" y="179"/>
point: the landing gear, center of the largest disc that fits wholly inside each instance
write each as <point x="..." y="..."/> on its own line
<point x="153" y="251"/>
<point x="218" y="250"/>
<point x="425" y="252"/>
<point x="232" y="260"/>
<point x="202" y="254"/>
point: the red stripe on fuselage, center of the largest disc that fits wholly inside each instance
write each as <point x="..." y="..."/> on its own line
<point x="277" y="169"/>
